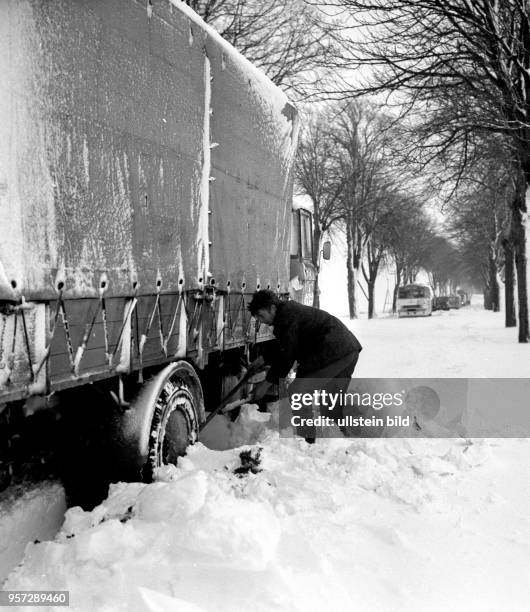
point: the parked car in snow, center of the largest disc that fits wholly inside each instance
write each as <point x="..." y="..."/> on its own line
<point x="465" y="298"/>
<point x="454" y="302"/>
<point x="441" y="302"/>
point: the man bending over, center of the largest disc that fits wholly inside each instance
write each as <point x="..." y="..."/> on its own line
<point x="323" y="346"/>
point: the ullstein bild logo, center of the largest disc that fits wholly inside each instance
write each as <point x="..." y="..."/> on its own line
<point x="397" y="407"/>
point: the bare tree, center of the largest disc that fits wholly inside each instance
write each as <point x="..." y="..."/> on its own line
<point x="361" y="135"/>
<point x="377" y="227"/>
<point x="409" y="240"/>
<point x="443" y="265"/>
<point x="476" y="226"/>
<point x="318" y="176"/>
<point x="470" y="59"/>
<point x="293" y="42"/>
<point x="481" y="212"/>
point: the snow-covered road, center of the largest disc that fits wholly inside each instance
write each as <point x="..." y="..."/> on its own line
<point x="392" y="524"/>
<point x="470" y="342"/>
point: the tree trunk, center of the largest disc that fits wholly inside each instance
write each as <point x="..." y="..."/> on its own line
<point x="518" y="236"/>
<point x="396" y="288"/>
<point x="317" y="235"/>
<point x="487" y="297"/>
<point x="509" y="280"/>
<point x="316" y="290"/>
<point x="350" y="266"/>
<point x="374" y="260"/>
<point x="493" y="283"/>
<point x="371" y="287"/>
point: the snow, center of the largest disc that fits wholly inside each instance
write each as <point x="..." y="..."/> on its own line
<point x="203" y="259"/>
<point x="379" y="524"/>
<point x="260" y="81"/>
<point x="364" y="524"/>
<point x="470" y="342"/>
<point x="26" y="514"/>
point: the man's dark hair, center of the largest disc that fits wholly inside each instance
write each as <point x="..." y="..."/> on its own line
<point x="264" y="298"/>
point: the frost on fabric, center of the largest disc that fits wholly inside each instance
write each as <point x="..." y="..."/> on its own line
<point x="27" y="214"/>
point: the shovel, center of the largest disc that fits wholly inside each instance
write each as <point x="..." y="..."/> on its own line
<point x="256" y="366"/>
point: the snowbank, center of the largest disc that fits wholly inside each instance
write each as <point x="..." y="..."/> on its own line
<point x="470" y="342"/>
<point x="28" y="514"/>
<point x="342" y="524"/>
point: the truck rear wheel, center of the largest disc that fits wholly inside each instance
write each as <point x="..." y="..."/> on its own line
<point x="161" y="422"/>
<point x="175" y="420"/>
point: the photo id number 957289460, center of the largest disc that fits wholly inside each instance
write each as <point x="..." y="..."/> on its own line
<point x="34" y="598"/>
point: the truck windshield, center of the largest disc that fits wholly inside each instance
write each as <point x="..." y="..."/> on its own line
<point x="307" y="237"/>
<point x="413" y="291"/>
<point x="295" y="233"/>
<point x="301" y="234"/>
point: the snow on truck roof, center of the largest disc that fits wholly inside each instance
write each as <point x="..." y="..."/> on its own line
<point x="271" y="91"/>
<point x="304" y="202"/>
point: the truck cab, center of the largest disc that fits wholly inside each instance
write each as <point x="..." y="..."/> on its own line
<point x="414" y="300"/>
<point x="302" y="261"/>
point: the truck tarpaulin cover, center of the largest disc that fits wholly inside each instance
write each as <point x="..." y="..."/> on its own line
<point x="136" y="146"/>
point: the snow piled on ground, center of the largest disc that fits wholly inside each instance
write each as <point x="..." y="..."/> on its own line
<point x="469" y="342"/>
<point x="270" y="523"/>
<point x="342" y="524"/>
<point x="33" y="512"/>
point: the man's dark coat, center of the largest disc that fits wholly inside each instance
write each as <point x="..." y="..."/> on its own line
<point x="310" y="336"/>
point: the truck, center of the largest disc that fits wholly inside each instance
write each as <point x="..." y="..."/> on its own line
<point x="414" y="300"/>
<point x="146" y="179"/>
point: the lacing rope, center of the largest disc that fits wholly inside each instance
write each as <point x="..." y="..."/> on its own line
<point x="197" y="313"/>
<point x="132" y="306"/>
<point x="246" y="318"/>
<point x="108" y="355"/>
<point x="4" y="326"/>
<point x="224" y="323"/>
<point x="10" y="362"/>
<point x="28" y="350"/>
<point x="212" y="333"/>
<point x="229" y="324"/>
<point x="228" y="318"/>
<point x="161" y="327"/>
<point x="75" y="362"/>
<point x="11" y="358"/>
<point x="137" y="332"/>
<point x="239" y="309"/>
<point x="223" y="327"/>
<point x="143" y="337"/>
<point x="47" y="350"/>
<point x="256" y="329"/>
<point x="172" y="324"/>
<point x="66" y="327"/>
<point x="88" y="331"/>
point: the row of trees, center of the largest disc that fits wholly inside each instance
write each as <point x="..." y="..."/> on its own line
<point x="461" y="71"/>
<point x="458" y="73"/>
<point x="350" y="165"/>
<point x="481" y="223"/>
<point x="296" y="44"/>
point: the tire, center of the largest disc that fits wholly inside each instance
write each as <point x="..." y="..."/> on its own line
<point x="175" y="422"/>
<point x="161" y="422"/>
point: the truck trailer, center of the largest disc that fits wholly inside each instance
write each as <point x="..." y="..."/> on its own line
<point x="146" y="176"/>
